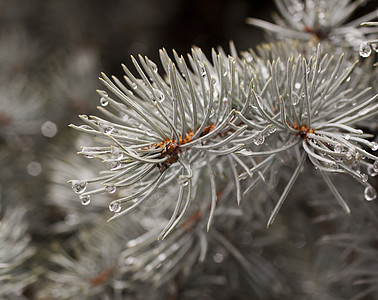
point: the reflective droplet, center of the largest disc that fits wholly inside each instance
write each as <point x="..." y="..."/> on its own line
<point x="134" y="86"/>
<point x="371" y="171"/>
<point x="153" y="66"/>
<point x="212" y="111"/>
<point x="347" y="137"/>
<point x="159" y="95"/>
<point x="113" y="165"/>
<point x="85" y="199"/>
<point x="79" y="186"/>
<point x="225" y="100"/>
<point x="104" y="101"/>
<point x="184" y="181"/>
<point x="258" y="138"/>
<point x="111" y="189"/>
<point x="374" y="146"/>
<point x="297" y="85"/>
<point x="115" y="207"/>
<point x="294" y="99"/>
<point x="365" y="50"/>
<point x="369" y="193"/>
<point x="338" y="148"/>
<point x="106" y="128"/>
<point x="375" y="166"/>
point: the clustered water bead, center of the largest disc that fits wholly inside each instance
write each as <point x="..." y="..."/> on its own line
<point x="370" y="194"/>
<point x="365" y="50"/>
<point x="79" y="186"/>
<point x="104" y="101"/>
<point x="85" y="199"/>
<point x="115" y="207"/>
<point x="111" y="189"/>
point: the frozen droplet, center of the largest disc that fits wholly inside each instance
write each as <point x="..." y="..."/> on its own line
<point x="113" y="165"/>
<point x="371" y="171"/>
<point x="258" y="138"/>
<point x="115" y="207"/>
<point x="104" y="101"/>
<point x="159" y="95"/>
<point x="338" y="148"/>
<point x="364" y="177"/>
<point x="369" y="193"/>
<point x="375" y="166"/>
<point x="365" y="50"/>
<point x="79" y="186"/>
<point x="106" y="128"/>
<point x="297" y="85"/>
<point x="85" y="199"/>
<point x="347" y="137"/>
<point x="182" y="180"/>
<point x="374" y="146"/>
<point x="111" y="189"/>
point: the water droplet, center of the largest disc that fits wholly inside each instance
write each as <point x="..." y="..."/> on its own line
<point x="375" y="166"/>
<point x="371" y="171"/>
<point x="347" y="137"/>
<point x="85" y="199"/>
<point x="153" y="66"/>
<point x="364" y="177"/>
<point x="365" y="50"/>
<point x="106" y="128"/>
<point x="225" y="100"/>
<point x="338" y="148"/>
<point x="111" y="189"/>
<point x="159" y="95"/>
<point x="182" y="180"/>
<point x="113" y="165"/>
<point x="297" y="85"/>
<point x="104" y="101"/>
<point x="79" y="186"/>
<point x="117" y="154"/>
<point x="225" y="73"/>
<point x="374" y="146"/>
<point x="115" y="207"/>
<point x="369" y="193"/>
<point x="134" y="86"/>
<point x="212" y="111"/>
<point x="258" y="138"/>
<point x="294" y="98"/>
